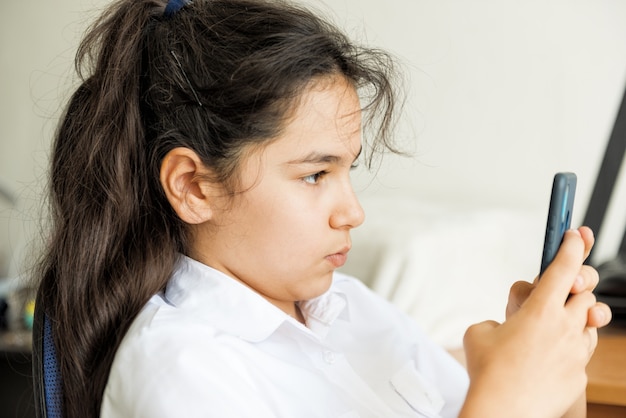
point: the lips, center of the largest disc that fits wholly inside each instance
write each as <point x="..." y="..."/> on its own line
<point x="338" y="259"/>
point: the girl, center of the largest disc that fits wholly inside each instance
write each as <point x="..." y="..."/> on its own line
<point x="201" y="202"/>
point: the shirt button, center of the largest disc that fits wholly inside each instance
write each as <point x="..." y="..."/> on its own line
<point x="329" y="357"/>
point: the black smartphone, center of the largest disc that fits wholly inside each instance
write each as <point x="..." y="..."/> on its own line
<point x="559" y="215"/>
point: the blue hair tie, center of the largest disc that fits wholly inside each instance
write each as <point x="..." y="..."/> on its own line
<point x="173" y="6"/>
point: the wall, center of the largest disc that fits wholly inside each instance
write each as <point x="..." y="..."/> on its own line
<point x="37" y="44"/>
<point x="502" y="94"/>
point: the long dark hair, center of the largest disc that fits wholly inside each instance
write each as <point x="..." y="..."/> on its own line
<point x="216" y="77"/>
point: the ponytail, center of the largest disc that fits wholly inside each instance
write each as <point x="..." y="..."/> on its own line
<point x="106" y="256"/>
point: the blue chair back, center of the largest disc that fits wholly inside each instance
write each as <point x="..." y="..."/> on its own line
<point x="47" y="381"/>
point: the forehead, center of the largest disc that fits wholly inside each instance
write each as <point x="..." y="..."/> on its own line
<point x="326" y="116"/>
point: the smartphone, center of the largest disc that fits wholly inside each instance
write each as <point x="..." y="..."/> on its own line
<point x="559" y="215"/>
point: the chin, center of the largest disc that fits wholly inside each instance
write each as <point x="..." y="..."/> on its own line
<point x="322" y="284"/>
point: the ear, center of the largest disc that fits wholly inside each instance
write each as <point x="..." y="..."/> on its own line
<point x="183" y="178"/>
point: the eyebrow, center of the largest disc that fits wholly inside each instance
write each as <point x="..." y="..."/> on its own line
<point x="319" y="158"/>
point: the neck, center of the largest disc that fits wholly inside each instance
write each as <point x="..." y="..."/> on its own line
<point x="298" y="313"/>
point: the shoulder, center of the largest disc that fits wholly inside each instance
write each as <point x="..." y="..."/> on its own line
<point x="160" y="331"/>
<point x="165" y="365"/>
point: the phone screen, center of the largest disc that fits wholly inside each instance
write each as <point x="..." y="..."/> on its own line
<point x="559" y="215"/>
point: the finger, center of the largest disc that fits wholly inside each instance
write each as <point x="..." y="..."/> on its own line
<point x="599" y="315"/>
<point x="558" y="279"/>
<point x="518" y="294"/>
<point x="579" y="305"/>
<point x="587" y="280"/>
<point x="587" y="235"/>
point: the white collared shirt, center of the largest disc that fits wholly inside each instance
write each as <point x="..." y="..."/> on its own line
<point x="211" y="347"/>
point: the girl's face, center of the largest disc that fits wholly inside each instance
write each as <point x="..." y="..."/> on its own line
<point x="286" y="234"/>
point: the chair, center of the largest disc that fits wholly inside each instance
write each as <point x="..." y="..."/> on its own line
<point x="46" y="374"/>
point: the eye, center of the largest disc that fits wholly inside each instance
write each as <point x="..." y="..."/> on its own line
<point x="314" y="178"/>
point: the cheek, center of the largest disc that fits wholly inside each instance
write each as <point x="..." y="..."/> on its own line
<point x="283" y="215"/>
<point x="288" y="229"/>
<point x="293" y="227"/>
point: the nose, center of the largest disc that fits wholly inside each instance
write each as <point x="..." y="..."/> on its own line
<point x="348" y="213"/>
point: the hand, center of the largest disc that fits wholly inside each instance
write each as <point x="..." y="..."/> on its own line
<point x="534" y="363"/>
<point x="599" y="314"/>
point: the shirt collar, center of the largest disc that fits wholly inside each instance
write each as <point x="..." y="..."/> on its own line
<point x="321" y="312"/>
<point x="233" y="308"/>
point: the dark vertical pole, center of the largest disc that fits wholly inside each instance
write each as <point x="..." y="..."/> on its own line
<point x="607" y="176"/>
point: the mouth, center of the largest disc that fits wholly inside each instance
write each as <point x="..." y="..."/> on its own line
<point x="339" y="258"/>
